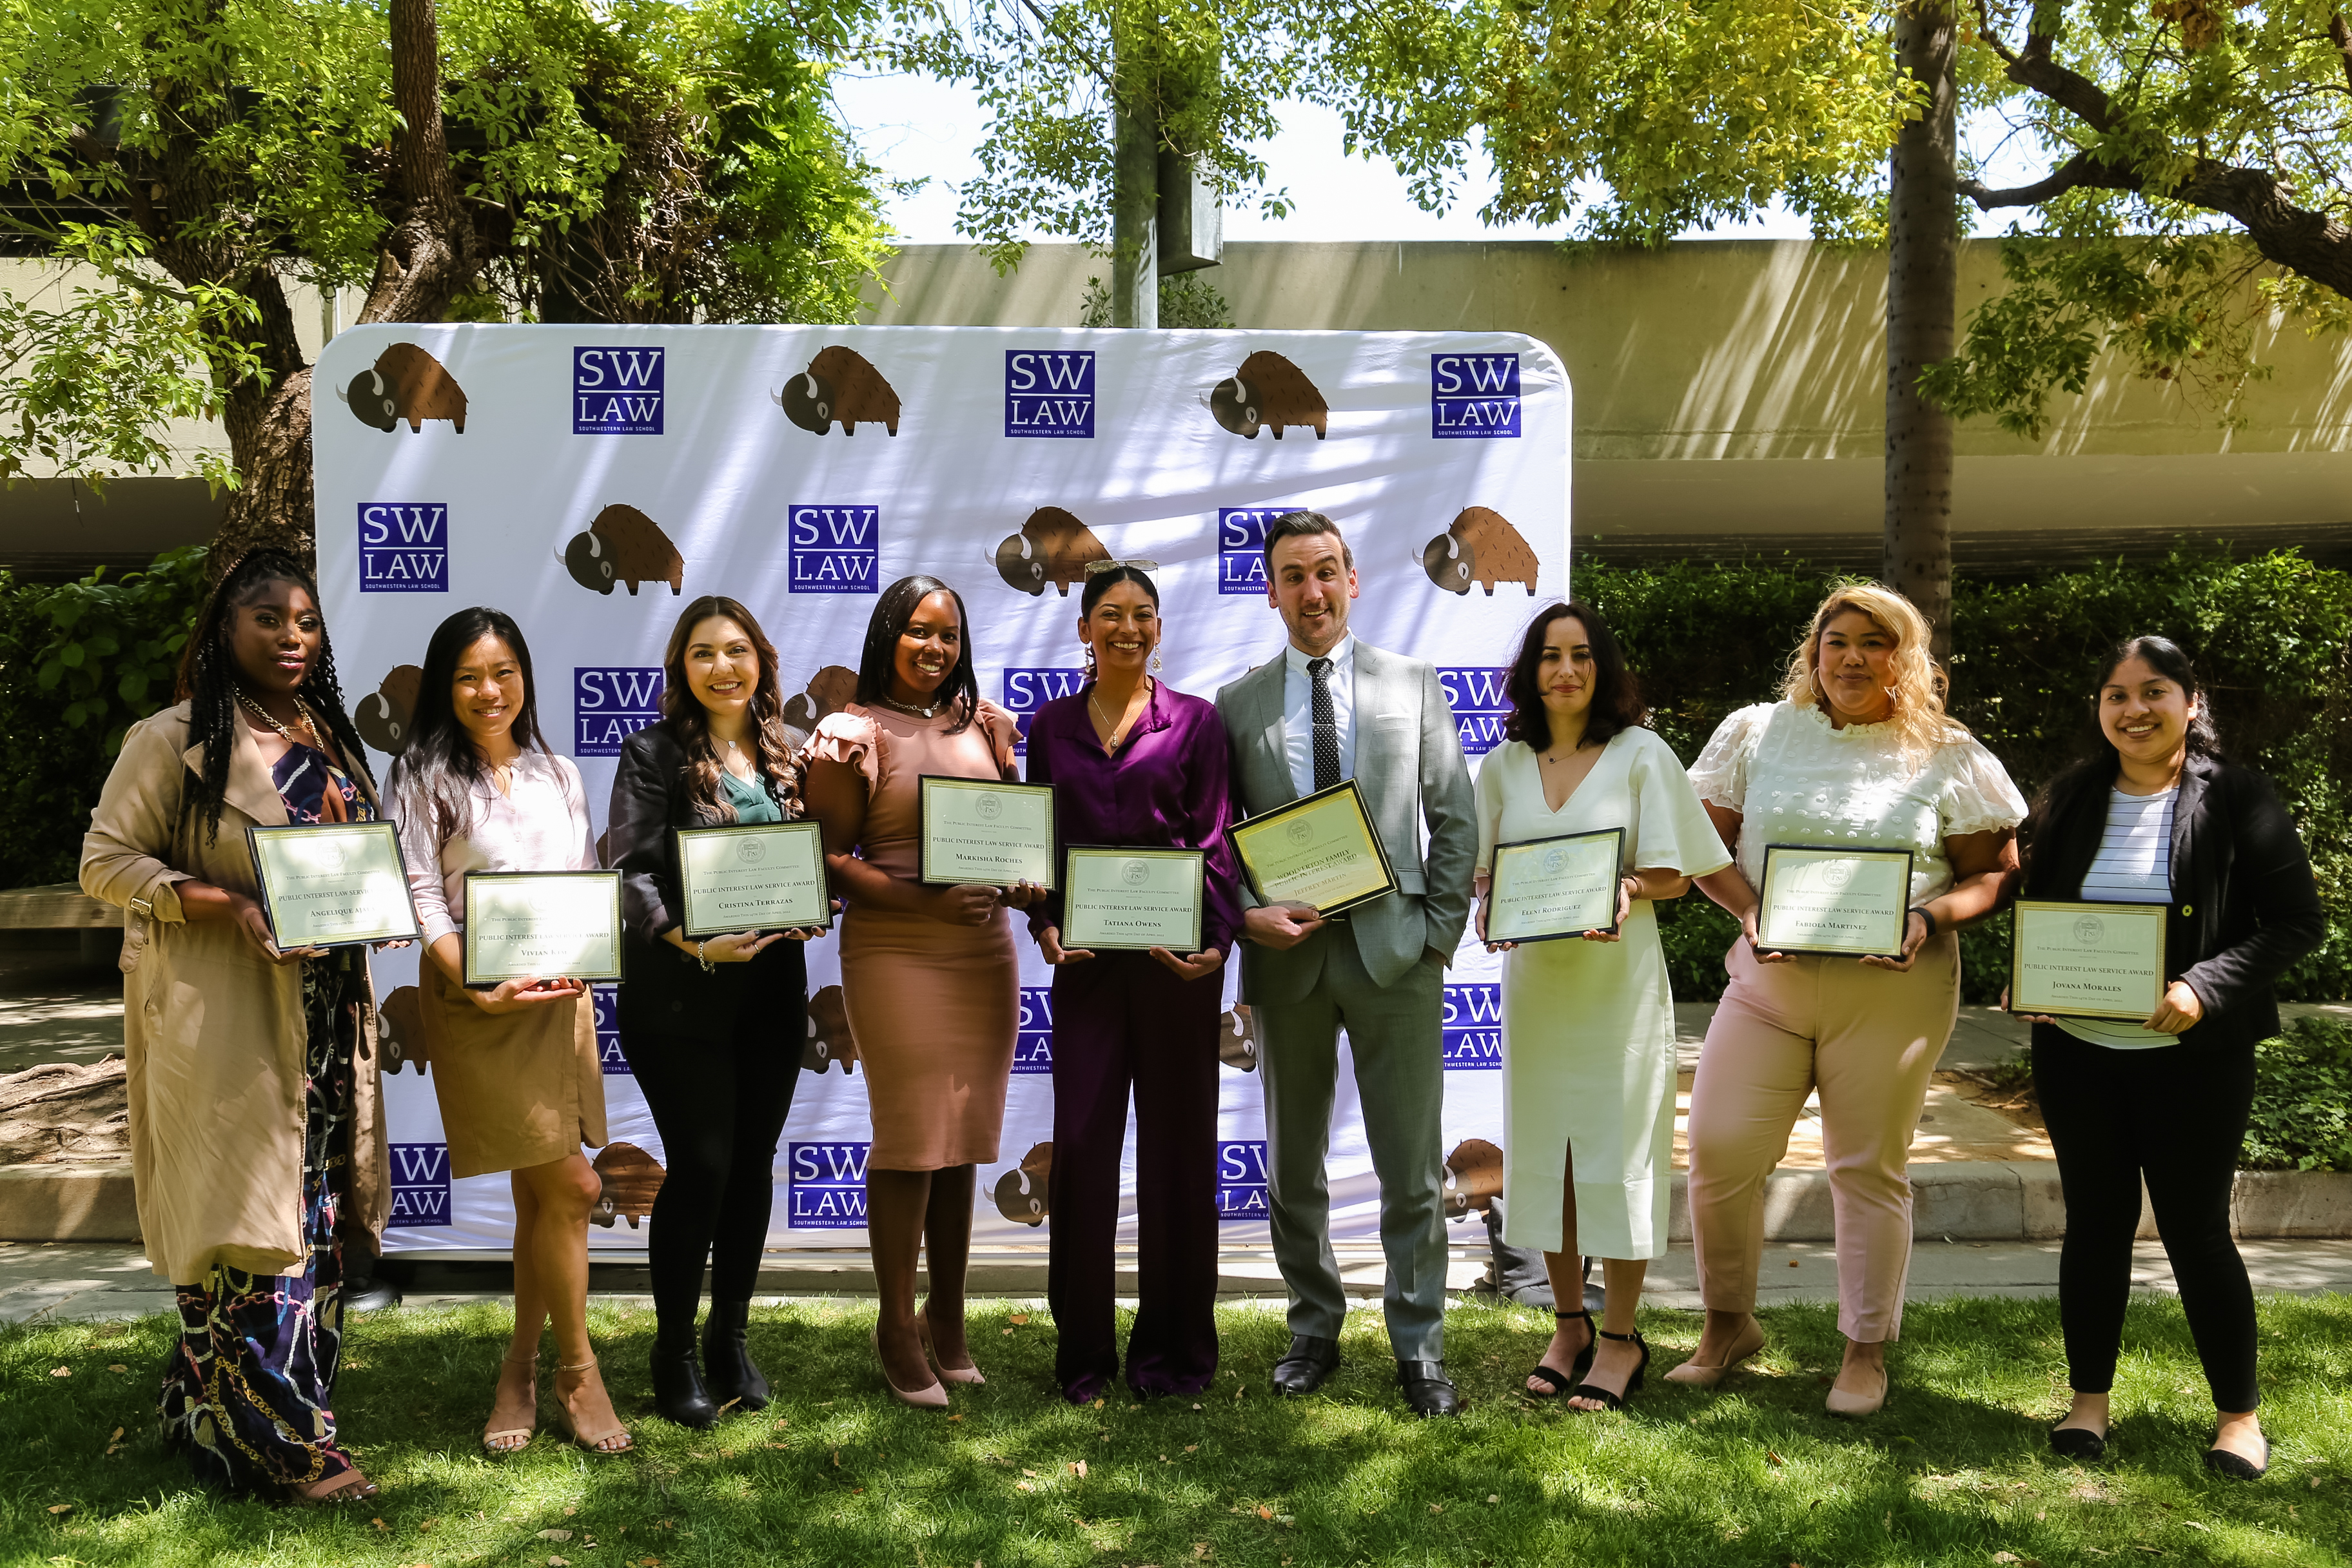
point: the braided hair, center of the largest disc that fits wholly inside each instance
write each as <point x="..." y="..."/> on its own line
<point x="207" y="682"/>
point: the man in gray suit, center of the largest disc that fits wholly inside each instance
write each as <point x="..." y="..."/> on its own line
<point x="1331" y="709"/>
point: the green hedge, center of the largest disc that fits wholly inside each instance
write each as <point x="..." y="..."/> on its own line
<point x="80" y="664"/>
<point x="2270" y="635"/>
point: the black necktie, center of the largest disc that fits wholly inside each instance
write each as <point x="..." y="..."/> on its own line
<point x="1327" y="725"/>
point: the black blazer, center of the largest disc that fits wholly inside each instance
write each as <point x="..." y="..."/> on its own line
<point x="2243" y="904"/>
<point x="665" y="991"/>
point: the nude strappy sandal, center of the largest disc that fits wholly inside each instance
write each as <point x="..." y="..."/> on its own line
<point x="513" y="1439"/>
<point x="599" y="1442"/>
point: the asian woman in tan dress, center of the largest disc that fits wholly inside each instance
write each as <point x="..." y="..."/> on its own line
<point x="929" y="974"/>
<point x="515" y="1069"/>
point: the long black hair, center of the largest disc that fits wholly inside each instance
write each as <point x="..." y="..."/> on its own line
<point x="207" y="681"/>
<point x="891" y="613"/>
<point x="2095" y="770"/>
<point x="440" y="764"/>
<point x="1616" y="693"/>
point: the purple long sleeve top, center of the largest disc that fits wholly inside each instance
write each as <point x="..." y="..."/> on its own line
<point x="1164" y="789"/>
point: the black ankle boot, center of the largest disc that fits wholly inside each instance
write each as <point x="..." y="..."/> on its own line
<point x="726" y="1367"/>
<point x="678" y="1393"/>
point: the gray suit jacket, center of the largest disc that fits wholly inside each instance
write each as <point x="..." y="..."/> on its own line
<point x="1409" y="766"/>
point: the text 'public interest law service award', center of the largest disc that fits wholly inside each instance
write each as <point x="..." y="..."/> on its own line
<point x="1850" y="902"/>
<point x="2087" y="960"/>
<point x="982" y="833"/>
<point x="1134" y="899"/>
<point x="541" y="925"/>
<point x="332" y="884"/>
<point x="762" y="876"/>
<point x="1320" y="849"/>
<point x="1543" y="888"/>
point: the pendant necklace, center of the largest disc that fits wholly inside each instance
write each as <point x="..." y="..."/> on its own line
<point x="317" y="742"/>
<point x="1112" y="745"/>
<point x="909" y="708"/>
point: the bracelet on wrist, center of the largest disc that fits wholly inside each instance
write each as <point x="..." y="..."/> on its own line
<point x="1924" y="913"/>
<point x="704" y="959"/>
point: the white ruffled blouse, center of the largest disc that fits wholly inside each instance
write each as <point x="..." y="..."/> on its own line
<point x="1796" y="779"/>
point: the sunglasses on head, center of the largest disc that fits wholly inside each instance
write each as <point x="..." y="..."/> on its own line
<point x="1095" y="568"/>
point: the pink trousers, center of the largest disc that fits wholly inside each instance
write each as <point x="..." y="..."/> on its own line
<point x="1868" y="1039"/>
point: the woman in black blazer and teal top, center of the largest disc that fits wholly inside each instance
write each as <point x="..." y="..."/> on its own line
<point x="2155" y="815"/>
<point x="713" y="1029"/>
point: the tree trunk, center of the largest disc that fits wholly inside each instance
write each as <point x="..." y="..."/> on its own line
<point x="1134" y="207"/>
<point x="1922" y="284"/>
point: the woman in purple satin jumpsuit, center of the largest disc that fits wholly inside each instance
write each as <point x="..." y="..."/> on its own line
<point x="1134" y="762"/>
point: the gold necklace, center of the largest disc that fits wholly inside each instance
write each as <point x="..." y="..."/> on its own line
<point x="310" y="722"/>
<point x="1112" y="745"/>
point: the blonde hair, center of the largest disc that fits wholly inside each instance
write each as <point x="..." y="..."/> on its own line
<point x="1917" y="688"/>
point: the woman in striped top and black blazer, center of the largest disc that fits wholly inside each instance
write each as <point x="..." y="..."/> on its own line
<point x="2154" y="814"/>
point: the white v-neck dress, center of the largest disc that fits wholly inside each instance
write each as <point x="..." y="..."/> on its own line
<point x="1589" y="1026"/>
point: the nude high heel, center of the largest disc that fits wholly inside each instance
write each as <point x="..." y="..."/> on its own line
<point x="1695" y="1374"/>
<point x="934" y="1397"/>
<point x="1841" y="1402"/>
<point x="946" y="1374"/>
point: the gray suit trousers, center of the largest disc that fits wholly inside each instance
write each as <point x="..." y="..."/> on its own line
<point x="1394" y="1033"/>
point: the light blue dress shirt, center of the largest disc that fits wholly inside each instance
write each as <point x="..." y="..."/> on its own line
<point x="1298" y="711"/>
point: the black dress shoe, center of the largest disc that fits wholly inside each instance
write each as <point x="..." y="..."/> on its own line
<point x="1427" y="1388"/>
<point x="2078" y="1443"/>
<point x="1303" y="1367"/>
<point x="678" y="1393"/>
<point x="368" y="1293"/>
<point x="728" y="1371"/>
<point x="2222" y="1462"/>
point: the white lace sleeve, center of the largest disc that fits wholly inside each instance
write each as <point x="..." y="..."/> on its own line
<point x="1978" y="796"/>
<point x="1720" y="775"/>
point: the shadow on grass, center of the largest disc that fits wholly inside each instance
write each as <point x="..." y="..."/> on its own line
<point x="1955" y="1469"/>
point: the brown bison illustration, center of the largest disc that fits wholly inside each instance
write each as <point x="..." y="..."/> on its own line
<point x="1236" y="1045"/>
<point x="632" y="1179"/>
<point x="1271" y="392"/>
<point x="1021" y="1193"/>
<point x="1474" y="1176"/>
<point x="829" y="1040"/>
<point x="383" y="715"/>
<point x="1052" y="547"/>
<point x="830" y="691"/>
<point x="840" y="386"/>
<point x="400" y="1030"/>
<point x="623" y="545"/>
<point x="1482" y="547"/>
<point x="405" y="382"/>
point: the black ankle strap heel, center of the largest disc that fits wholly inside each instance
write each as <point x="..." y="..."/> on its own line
<point x="1556" y="1383"/>
<point x="1633" y="1384"/>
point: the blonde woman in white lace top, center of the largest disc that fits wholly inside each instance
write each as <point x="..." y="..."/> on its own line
<point x="1858" y="754"/>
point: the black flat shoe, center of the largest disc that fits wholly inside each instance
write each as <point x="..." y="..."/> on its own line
<point x="678" y="1393"/>
<point x="2237" y="1467"/>
<point x="1556" y="1383"/>
<point x="1632" y="1384"/>
<point x="2078" y="1443"/>
<point x="368" y="1293"/>
<point x="729" y="1374"/>
<point x="1303" y="1367"/>
<point x="1427" y="1388"/>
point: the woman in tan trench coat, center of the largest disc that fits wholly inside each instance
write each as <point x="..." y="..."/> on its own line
<point x="256" y="1130"/>
<point x="515" y="1069"/>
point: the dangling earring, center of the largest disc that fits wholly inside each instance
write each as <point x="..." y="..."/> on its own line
<point x="1091" y="661"/>
<point x="1155" y="660"/>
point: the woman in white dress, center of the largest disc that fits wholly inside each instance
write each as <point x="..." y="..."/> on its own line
<point x="1858" y="754"/>
<point x="1589" y="1022"/>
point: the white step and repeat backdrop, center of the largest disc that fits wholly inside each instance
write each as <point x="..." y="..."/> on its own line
<point x="592" y="480"/>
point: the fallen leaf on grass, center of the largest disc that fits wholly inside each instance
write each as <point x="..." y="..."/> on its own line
<point x="380" y="1524"/>
<point x="1018" y="1318"/>
<point x="1264" y="1512"/>
<point x="1772" y="1458"/>
<point x="570" y="1512"/>
<point x="780" y="1445"/>
<point x="116" y="1367"/>
<point x="2005" y="1557"/>
<point x="1079" y="1468"/>
<point x="1437" y="1508"/>
<point x="2194" y="1525"/>
<point x="555" y="1535"/>
<point x="67" y="1372"/>
<point x="61" y="1508"/>
<point x="1031" y="1474"/>
<point x="1203" y="1549"/>
<point x="558" y="1563"/>
<point x="1192" y="1448"/>
<point x="1494" y="1497"/>
<point x="955" y="1417"/>
<point x="1022" y="1486"/>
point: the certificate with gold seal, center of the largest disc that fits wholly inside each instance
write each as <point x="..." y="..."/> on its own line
<point x="1849" y="902"/>
<point x="1320" y="849"/>
<point x="1113" y="898"/>
<point x="332" y="884"/>
<point x="985" y="833"/>
<point x="541" y="925"/>
<point x="1541" y="889"/>
<point x="760" y="875"/>
<point x="2086" y="961"/>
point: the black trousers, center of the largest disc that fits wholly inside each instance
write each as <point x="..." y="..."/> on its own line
<point x="2176" y="1116"/>
<point x="720" y="1107"/>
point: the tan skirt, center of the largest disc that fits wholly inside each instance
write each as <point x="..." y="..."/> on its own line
<point x="933" y="1008"/>
<point x="517" y="1091"/>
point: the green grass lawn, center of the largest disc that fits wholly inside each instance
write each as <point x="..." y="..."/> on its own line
<point x="1955" y="1471"/>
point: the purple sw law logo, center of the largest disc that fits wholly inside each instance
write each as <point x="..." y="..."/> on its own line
<point x="1033" y="1040"/>
<point x="1481" y="701"/>
<point x="1026" y="690"/>
<point x="825" y="1186"/>
<point x="610" y="703"/>
<point x="1240" y="547"/>
<point x="618" y="392"/>
<point x="1050" y="392"/>
<point x="1473" y="397"/>
<point x="1241" y="1179"/>
<point x="1472" y="1028"/>
<point x="606" y="995"/>
<point x="832" y="549"/>
<point x="403" y="547"/>
<point x="420" y="1183"/>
